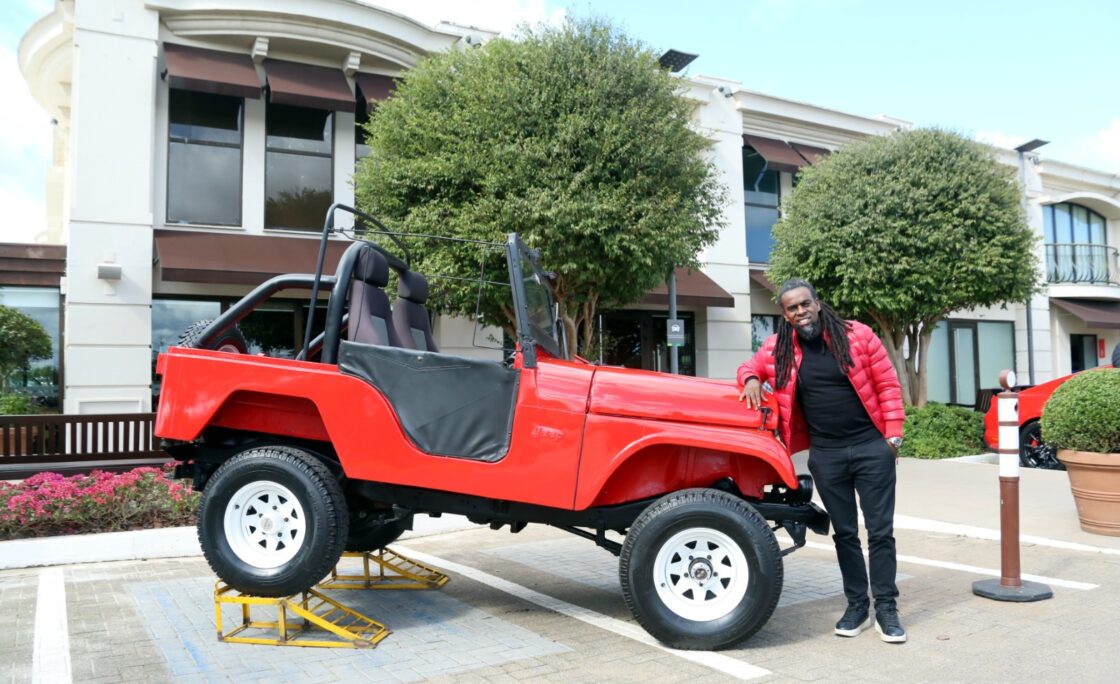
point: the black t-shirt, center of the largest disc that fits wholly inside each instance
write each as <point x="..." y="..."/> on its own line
<point x="832" y="409"/>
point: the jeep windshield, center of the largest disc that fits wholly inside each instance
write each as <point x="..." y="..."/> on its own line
<point x="537" y="322"/>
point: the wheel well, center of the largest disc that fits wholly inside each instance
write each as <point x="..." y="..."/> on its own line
<point x="661" y="468"/>
<point x="201" y="458"/>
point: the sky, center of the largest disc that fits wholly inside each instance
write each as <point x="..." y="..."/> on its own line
<point x="1002" y="71"/>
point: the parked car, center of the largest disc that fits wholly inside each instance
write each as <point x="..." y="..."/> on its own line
<point x="298" y="459"/>
<point x="1033" y="452"/>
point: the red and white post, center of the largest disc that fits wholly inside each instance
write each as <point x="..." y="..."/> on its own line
<point x="1010" y="586"/>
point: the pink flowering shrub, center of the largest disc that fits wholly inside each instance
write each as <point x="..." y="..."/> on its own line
<point x="49" y="504"/>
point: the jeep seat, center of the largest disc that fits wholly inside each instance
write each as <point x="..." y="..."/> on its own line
<point x="410" y="318"/>
<point x="370" y="315"/>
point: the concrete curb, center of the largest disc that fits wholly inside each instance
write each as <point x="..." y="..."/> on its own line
<point x="168" y="542"/>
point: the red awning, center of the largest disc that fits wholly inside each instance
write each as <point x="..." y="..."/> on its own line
<point x="374" y="87"/>
<point x="211" y="71"/>
<point x="1093" y="313"/>
<point x="694" y="288"/>
<point x="32" y="264"/>
<point x="304" y="85"/>
<point x="779" y="156"/>
<point x="810" y="153"/>
<point x="192" y="256"/>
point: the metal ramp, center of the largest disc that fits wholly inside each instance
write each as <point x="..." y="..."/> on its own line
<point x="313" y="619"/>
<point x="394" y="571"/>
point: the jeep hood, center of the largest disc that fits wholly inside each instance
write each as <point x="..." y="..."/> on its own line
<point x="676" y="398"/>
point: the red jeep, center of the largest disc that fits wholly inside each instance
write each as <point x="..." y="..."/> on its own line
<point x="300" y="459"/>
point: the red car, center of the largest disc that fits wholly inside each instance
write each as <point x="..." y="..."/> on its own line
<point x="1033" y="452"/>
<point x="298" y="459"/>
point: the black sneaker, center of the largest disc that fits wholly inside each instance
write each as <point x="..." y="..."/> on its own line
<point x="888" y="626"/>
<point x="855" y="620"/>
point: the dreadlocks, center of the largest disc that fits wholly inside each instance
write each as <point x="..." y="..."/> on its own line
<point x="833" y="327"/>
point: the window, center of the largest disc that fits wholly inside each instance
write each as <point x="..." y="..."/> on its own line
<point x="361" y="117"/>
<point x="204" y="158"/>
<point x="636" y="339"/>
<point x="40" y="380"/>
<point x="760" y="196"/>
<point x="298" y="167"/>
<point x="967" y="356"/>
<point x="762" y="326"/>
<point x="1076" y="244"/>
<point x="1082" y="352"/>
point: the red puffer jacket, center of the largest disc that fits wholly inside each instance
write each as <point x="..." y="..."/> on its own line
<point x="872" y="376"/>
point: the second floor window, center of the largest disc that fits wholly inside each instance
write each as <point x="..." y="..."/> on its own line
<point x="204" y="158"/>
<point x="299" y="167"/>
<point x="760" y="197"/>
<point x="1077" y="248"/>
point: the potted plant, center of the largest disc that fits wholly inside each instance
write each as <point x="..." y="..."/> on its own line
<point x="1082" y="419"/>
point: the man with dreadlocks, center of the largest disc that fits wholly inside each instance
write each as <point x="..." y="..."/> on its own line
<point x="838" y="395"/>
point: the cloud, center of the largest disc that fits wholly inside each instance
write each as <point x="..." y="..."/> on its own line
<point x="1101" y="150"/>
<point x="503" y="16"/>
<point x="25" y="153"/>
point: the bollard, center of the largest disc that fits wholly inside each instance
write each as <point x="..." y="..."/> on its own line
<point x="1010" y="586"/>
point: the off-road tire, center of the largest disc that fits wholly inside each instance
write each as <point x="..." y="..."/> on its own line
<point x="371" y="535"/>
<point x="231" y="340"/>
<point x="730" y="529"/>
<point x="251" y="480"/>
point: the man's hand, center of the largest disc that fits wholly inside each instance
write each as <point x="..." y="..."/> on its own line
<point x="752" y="392"/>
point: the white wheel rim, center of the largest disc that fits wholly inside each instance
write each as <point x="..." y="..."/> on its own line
<point x="701" y="574"/>
<point x="265" y="524"/>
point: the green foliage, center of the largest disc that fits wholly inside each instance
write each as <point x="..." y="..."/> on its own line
<point x="900" y="230"/>
<point x="22" y="340"/>
<point x="1083" y="414"/>
<point x="940" y="431"/>
<point x="49" y="504"/>
<point x="572" y="137"/>
<point x="17" y="405"/>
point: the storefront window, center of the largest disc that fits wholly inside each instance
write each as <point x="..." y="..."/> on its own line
<point x="762" y="326"/>
<point x="298" y="167"/>
<point x="760" y="197"/>
<point x="204" y="159"/>
<point x="40" y="380"/>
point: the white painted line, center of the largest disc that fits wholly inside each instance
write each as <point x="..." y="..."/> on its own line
<point x="926" y="525"/>
<point x="725" y="664"/>
<point x="1053" y="581"/>
<point x="50" y="662"/>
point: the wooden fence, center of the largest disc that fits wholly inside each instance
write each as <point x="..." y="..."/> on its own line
<point x="77" y="443"/>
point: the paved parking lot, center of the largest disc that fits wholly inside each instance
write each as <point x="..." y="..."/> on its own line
<point x="544" y="605"/>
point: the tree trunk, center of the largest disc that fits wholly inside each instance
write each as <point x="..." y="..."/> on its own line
<point x="923" y="365"/>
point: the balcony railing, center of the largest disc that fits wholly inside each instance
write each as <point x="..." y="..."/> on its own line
<point x="1083" y="263"/>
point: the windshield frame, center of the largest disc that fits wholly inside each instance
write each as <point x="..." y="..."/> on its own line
<point x="524" y="265"/>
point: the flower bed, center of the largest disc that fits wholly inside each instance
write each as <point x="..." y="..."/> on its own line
<point x="50" y="504"/>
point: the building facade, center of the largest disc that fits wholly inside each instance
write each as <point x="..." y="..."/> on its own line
<point x="198" y="144"/>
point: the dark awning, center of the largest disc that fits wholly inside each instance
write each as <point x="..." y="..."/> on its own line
<point x="374" y="87"/>
<point x="211" y="71"/>
<point x="693" y="289"/>
<point x="308" y="86"/>
<point x="199" y="257"/>
<point x="32" y="264"/>
<point x="779" y="156"/>
<point x="762" y="279"/>
<point x="1095" y="314"/>
<point x="810" y="153"/>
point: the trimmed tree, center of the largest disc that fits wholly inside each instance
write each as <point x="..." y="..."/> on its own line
<point x="22" y="340"/>
<point x="572" y="137"/>
<point x="900" y="230"/>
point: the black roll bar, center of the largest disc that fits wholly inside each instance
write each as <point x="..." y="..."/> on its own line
<point x="234" y="314"/>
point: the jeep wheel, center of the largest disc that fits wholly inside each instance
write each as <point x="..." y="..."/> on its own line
<point x="272" y="522"/>
<point x="700" y="569"/>
<point x="232" y="340"/>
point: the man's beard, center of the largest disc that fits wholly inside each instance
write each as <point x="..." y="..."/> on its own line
<point x="810" y="331"/>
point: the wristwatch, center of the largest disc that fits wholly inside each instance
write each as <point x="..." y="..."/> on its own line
<point x="895" y="442"/>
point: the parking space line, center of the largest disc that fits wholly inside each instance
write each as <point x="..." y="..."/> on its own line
<point x="50" y="662"/>
<point x="727" y="665"/>
<point x="907" y="522"/>
<point x="1054" y="581"/>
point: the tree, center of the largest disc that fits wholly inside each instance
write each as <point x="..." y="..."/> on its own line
<point x="572" y="137"/>
<point x="22" y="340"/>
<point x="900" y="230"/>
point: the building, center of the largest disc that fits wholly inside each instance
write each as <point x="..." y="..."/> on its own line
<point x="197" y="146"/>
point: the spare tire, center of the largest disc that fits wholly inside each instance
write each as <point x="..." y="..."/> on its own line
<point x="231" y="340"/>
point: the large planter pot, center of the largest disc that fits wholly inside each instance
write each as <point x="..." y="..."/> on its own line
<point x="1095" y="481"/>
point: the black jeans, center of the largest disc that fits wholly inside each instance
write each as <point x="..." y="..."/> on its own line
<point x="869" y="470"/>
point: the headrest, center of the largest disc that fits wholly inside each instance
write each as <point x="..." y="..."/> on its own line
<point x="371" y="267"/>
<point x="413" y="287"/>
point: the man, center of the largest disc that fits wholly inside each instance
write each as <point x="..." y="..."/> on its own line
<point x="838" y="395"/>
